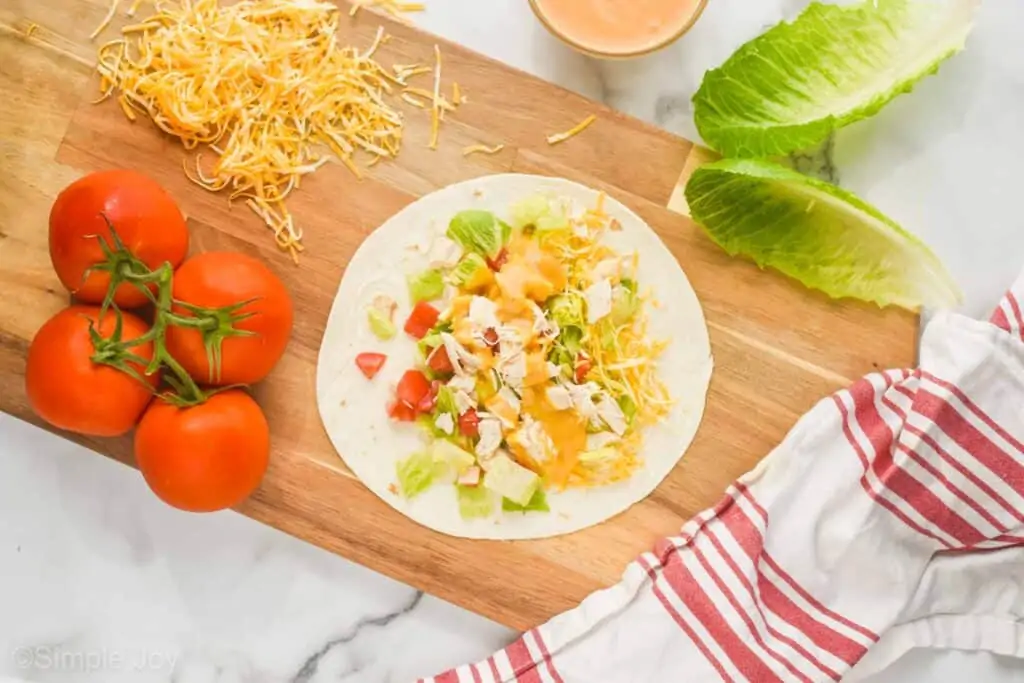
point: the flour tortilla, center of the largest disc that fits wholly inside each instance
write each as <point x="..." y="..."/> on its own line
<point x="353" y="408"/>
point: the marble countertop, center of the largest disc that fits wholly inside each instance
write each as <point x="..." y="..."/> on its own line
<point x="101" y="582"/>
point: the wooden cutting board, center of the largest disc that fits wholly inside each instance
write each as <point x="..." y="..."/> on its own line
<point x="778" y="348"/>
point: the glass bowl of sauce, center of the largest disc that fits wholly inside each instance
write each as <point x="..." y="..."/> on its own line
<point x="618" y="28"/>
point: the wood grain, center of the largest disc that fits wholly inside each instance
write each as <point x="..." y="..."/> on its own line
<point x="778" y="348"/>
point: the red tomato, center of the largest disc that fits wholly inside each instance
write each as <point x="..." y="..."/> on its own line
<point x="145" y="217"/>
<point x="218" y="279"/>
<point x="402" y="412"/>
<point x="439" y="362"/>
<point x="68" y="390"/>
<point x="206" y="457"/>
<point x="498" y="261"/>
<point x="370" y="363"/>
<point x="411" y="389"/>
<point x="468" y="423"/>
<point x="429" y="402"/>
<point x="583" y="366"/>
<point x="423" y="317"/>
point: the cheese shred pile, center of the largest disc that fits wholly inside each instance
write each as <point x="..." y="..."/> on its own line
<point x="264" y="85"/>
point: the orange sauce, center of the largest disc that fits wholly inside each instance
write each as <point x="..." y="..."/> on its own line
<point x="566" y="429"/>
<point x="618" y="26"/>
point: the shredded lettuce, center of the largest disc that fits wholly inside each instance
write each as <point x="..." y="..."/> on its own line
<point x="381" y="327"/>
<point x="787" y="89"/>
<point x="479" y="232"/>
<point x="425" y="286"/>
<point x="475" y="502"/>
<point x="538" y="503"/>
<point x="416" y="473"/>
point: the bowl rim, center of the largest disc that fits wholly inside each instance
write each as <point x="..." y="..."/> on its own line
<point x="694" y="17"/>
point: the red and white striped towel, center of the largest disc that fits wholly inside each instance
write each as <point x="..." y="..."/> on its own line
<point x="891" y="517"/>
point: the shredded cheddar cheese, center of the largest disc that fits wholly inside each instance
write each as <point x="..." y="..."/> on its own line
<point x="575" y="130"/>
<point x="392" y="7"/>
<point x="267" y="89"/>
<point x="482" y="149"/>
<point x="435" y="109"/>
<point x="106" y="20"/>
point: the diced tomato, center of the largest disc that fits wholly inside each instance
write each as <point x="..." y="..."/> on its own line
<point x="583" y="366"/>
<point x="402" y="412"/>
<point x="439" y="362"/>
<point x="491" y="338"/>
<point x="469" y="423"/>
<point x="428" y="402"/>
<point x="411" y="389"/>
<point x="498" y="261"/>
<point x="423" y="317"/>
<point x="370" y="363"/>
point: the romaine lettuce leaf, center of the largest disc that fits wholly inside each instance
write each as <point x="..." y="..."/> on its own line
<point x="817" y="233"/>
<point x="789" y="88"/>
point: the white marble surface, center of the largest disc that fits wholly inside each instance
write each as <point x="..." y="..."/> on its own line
<point x="100" y="582"/>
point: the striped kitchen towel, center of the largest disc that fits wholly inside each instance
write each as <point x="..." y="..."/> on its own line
<point x="891" y="517"/>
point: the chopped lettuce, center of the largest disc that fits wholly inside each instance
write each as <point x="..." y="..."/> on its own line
<point x="425" y="286"/>
<point x="528" y="211"/>
<point x="625" y="302"/>
<point x="568" y="310"/>
<point x="447" y="453"/>
<point x="628" y="407"/>
<point x="817" y="233"/>
<point x="475" y="502"/>
<point x="511" y="480"/>
<point x="538" y="503"/>
<point x="446" y="403"/>
<point x="571" y="339"/>
<point x="541" y="213"/>
<point x="416" y="473"/>
<point x="381" y="327"/>
<point x="787" y="89"/>
<point x="478" y="231"/>
<point x="468" y="270"/>
<point x="431" y="341"/>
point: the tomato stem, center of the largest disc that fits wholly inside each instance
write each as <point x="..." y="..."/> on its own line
<point x="215" y="324"/>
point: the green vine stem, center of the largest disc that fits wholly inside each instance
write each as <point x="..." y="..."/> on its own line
<point x="214" y="324"/>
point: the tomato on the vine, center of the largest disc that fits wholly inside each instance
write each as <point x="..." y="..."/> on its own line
<point x="204" y="457"/>
<point x="70" y="390"/>
<point x="146" y="219"/>
<point x="249" y="332"/>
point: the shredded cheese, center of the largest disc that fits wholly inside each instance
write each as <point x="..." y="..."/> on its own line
<point x="30" y="29"/>
<point x="413" y="101"/>
<point x="106" y="20"/>
<point x="435" y="109"/>
<point x="264" y="85"/>
<point x="134" y="7"/>
<point x="575" y="130"/>
<point x="392" y="7"/>
<point x="482" y="149"/>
